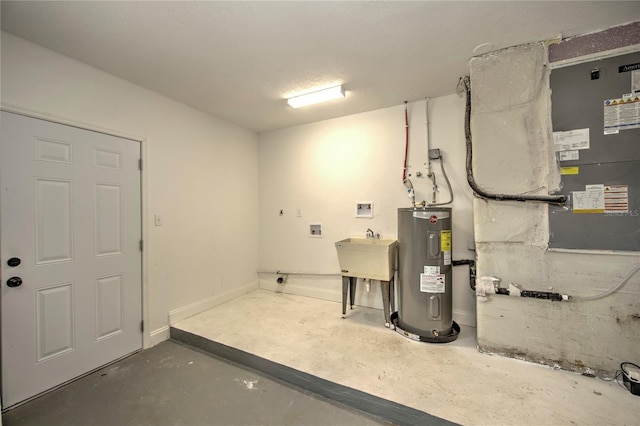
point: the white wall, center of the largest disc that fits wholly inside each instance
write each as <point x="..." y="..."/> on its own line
<point x="324" y="168"/>
<point x="511" y="128"/>
<point x="201" y="175"/>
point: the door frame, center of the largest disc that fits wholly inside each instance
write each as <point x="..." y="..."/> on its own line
<point x="147" y="339"/>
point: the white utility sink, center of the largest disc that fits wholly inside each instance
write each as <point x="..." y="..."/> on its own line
<point x="370" y="258"/>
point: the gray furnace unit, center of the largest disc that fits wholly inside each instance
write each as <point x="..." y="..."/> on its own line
<point x="596" y="126"/>
<point x="425" y="276"/>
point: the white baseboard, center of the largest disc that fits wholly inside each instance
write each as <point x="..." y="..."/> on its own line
<point x="185" y="312"/>
<point x="158" y="335"/>
<point x="300" y="290"/>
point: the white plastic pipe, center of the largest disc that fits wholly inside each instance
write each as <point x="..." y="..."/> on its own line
<point x="426" y="134"/>
<point x="616" y="287"/>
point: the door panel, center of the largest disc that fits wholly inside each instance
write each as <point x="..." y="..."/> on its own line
<point x="54" y="321"/>
<point x="70" y="210"/>
<point x="54" y="225"/>
<point x="108" y="210"/>
<point x="109" y="306"/>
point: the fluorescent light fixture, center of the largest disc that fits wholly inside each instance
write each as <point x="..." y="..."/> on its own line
<point x="316" y="97"/>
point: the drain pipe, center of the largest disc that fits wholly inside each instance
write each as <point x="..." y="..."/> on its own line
<point x="472" y="270"/>
<point x="283" y="276"/>
<point x="491" y="285"/>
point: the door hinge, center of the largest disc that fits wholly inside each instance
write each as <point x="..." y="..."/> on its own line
<point x="141" y="245"/>
<point x="140" y="163"/>
<point x="142" y="326"/>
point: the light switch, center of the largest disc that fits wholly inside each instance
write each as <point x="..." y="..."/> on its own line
<point x="157" y="220"/>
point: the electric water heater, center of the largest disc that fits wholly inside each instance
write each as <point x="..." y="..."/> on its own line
<point x="425" y="275"/>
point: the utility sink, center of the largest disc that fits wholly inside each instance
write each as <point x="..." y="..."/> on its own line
<point x="370" y="258"/>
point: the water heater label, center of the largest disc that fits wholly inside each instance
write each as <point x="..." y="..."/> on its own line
<point x="445" y="246"/>
<point x="431" y="270"/>
<point x="445" y="240"/>
<point x="432" y="283"/>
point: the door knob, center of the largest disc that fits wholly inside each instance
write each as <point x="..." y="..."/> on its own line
<point x="13" y="262"/>
<point x="14" y="282"/>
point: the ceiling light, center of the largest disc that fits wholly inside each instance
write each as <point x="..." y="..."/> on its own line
<point x="316" y="97"/>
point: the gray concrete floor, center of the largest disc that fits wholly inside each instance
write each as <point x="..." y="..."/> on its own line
<point x="171" y="384"/>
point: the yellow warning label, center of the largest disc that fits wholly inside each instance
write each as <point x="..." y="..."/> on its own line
<point x="569" y="170"/>
<point x="445" y="240"/>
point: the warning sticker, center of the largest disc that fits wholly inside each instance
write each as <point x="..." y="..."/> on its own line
<point x="445" y="240"/>
<point x="589" y="201"/>
<point x="432" y="283"/>
<point x="635" y="81"/>
<point x="621" y="114"/>
<point x="616" y="199"/>
<point x="569" y="170"/>
<point x="445" y="246"/>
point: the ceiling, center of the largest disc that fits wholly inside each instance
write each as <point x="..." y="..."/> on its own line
<point x="239" y="60"/>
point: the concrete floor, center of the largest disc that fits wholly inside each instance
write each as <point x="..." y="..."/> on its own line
<point x="171" y="384"/>
<point x="451" y="381"/>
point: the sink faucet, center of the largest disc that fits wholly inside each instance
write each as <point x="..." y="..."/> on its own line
<point x="371" y="234"/>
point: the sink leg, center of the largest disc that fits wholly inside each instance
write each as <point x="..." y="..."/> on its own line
<point x="386" y="294"/>
<point x="352" y="290"/>
<point x="392" y="294"/>
<point x="345" y="289"/>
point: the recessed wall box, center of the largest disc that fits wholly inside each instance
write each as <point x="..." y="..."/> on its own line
<point x="364" y="209"/>
<point x="315" y="230"/>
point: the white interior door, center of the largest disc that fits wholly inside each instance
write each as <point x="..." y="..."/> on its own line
<point x="70" y="212"/>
